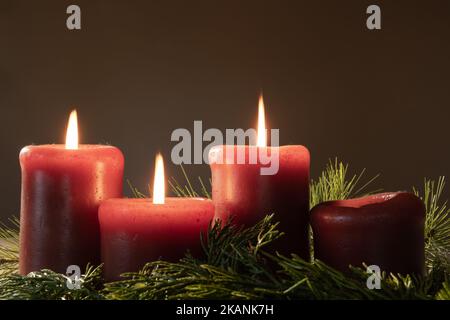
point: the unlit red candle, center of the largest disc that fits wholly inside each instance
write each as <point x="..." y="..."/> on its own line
<point x="386" y="230"/>
<point x="62" y="187"/>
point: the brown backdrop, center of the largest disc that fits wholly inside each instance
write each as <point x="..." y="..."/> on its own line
<point x="139" y="69"/>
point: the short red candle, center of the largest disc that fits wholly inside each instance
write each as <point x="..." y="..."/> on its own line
<point x="61" y="192"/>
<point x="239" y="190"/>
<point x="386" y="230"/>
<point x="136" y="231"/>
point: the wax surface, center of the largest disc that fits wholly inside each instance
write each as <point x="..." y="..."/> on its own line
<point x="239" y="190"/>
<point x="386" y="230"/>
<point x="61" y="192"/>
<point x="136" y="231"/>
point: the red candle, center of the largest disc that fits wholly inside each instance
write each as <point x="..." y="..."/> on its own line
<point x="241" y="191"/>
<point x="137" y="231"/>
<point x="62" y="186"/>
<point x="386" y="230"/>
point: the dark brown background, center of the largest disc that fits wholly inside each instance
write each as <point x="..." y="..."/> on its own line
<point x="139" y="69"/>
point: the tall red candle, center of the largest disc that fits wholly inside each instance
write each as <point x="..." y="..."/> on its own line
<point x="137" y="231"/>
<point x="62" y="187"/>
<point x="386" y="230"/>
<point x="242" y="191"/>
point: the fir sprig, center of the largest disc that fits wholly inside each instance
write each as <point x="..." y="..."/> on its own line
<point x="437" y="223"/>
<point x="444" y="293"/>
<point x="9" y="247"/>
<point x="319" y="281"/>
<point x="334" y="184"/>
<point x="187" y="190"/>
<point x="49" y="285"/>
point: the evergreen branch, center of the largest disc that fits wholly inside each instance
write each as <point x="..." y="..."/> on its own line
<point x="49" y="285"/>
<point x="9" y="247"/>
<point x="444" y="293"/>
<point x="187" y="190"/>
<point x="189" y="280"/>
<point x="333" y="184"/>
<point x="8" y="267"/>
<point x="225" y="244"/>
<point x="437" y="223"/>
<point x="322" y="282"/>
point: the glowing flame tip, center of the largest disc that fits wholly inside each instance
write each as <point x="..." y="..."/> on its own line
<point x="72" y="131"/>
<point x="159" y="182"/>
<point x="262" y="137"/>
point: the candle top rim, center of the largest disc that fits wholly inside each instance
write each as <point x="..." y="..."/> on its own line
<point x="144" y="206"/>
<point x="59" y="146"/>
<point x="219" y="154"/>
<point x="367" y="201"/>
<point x="60" y="149"/>
<point x="49" y="153"/>
<point x="168" y="200"/>
<point x="220" y="146"/>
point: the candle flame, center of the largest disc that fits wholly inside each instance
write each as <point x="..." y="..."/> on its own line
<point x="72" y="131"/>
<point x="158" y="182"/>
<point x="262" y="137"/>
